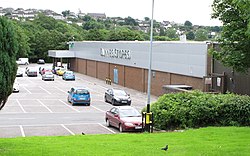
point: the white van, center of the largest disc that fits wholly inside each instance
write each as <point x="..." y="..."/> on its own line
<point x="23" y="61"/>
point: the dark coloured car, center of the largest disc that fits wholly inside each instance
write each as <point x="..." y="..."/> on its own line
<point x="68" y="75"/>
<point x="117" y="97"/>
<point x="125" y="118"/>
<point x="79" y="95"/>
<point x="41" y="61"/>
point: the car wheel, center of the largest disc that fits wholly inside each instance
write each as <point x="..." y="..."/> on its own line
<point x="107" y="123"/>
<point x="68" y="100"/>
<point x="105" y="98"/>
<point x="120" y="128"/>
<point x="113" y="102"/>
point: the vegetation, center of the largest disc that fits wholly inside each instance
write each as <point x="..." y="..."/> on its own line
<point x="8" y="50"/>
<point x="206" y="141"/>
<point x="44" y="33"/>
<point x="197" y="109"/>
<point x="235" y="36"/>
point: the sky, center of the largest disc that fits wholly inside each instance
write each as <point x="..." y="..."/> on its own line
<point x="198" y="12"/>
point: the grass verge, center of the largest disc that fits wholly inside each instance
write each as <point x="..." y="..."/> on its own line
<point x="204" y="141"/>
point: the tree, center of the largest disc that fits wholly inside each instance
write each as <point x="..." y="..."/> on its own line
<point x="8" y="50"/>
<point x="188" y="24"/>
<point x="190" y="35"/>
<point x="235" y="36"/>
<point x="65" y="13"/>
<point x="201" y="35"/>
<point x="171" y="33"/>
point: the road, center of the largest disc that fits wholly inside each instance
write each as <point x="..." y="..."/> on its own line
<point x="41" y="108"/>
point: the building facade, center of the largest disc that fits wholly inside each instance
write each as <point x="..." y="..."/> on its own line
<point x="126" y="62"/>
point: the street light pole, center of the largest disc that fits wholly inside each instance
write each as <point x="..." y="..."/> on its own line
<point x="150" y="65"/>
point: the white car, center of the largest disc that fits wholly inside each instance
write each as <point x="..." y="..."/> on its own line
<point x="16" y="87"/>
<point x="22" y="61"/>
<point x="19" y="72"/>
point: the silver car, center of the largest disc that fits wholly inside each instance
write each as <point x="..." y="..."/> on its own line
<point x="48" y="76"/>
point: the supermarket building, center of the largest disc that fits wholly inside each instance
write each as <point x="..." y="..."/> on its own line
<point x="126" y="62"/>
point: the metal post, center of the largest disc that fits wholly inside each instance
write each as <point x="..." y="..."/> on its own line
<point x="147" y="127"/>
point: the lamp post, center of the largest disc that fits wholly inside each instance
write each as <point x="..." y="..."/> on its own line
<point x="147" y="126"/>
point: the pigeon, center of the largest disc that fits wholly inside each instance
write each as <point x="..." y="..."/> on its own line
<point x="83" y="133"/>
<point x="165" y="148"/>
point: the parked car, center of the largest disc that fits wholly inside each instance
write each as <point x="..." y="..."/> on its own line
<point x="41" y="61"/>
<point x="60" y="71"/>
<point x="23" y="61"/>
<point x="125" y="118"/>
<point x="68" y="75"/>
<point x="16" y="86"/>
<point x="48" y="76"/>
<point x="45" y="69"/>
<point x="19" y="72"/>
<point x="79" y="95"/>
<point x="32" y="71"/>
<point x="117" y="97"/>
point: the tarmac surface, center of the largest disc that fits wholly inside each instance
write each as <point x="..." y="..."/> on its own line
<point x="41" y="107"/>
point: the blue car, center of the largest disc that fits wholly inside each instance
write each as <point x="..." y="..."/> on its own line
<point x="79" y="95"/>
<point x="68" y="75"/>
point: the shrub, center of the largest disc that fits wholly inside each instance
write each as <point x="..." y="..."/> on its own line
<point x="197" y="109"/>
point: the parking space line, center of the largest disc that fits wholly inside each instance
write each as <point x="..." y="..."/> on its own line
<point x="107" y="128"/>
<point x="27" y="90"/>
<point x="69" y="106"/>
<point x="45" y="90"/>
<point x="67" y="129"/>
<point x="97" y="109"/>
<point x="65" y="92"/>
<point x="20" y="106"/>
<point x="45" y="106"/>
<point x="22" y="131"/>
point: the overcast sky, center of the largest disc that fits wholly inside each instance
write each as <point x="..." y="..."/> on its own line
<point x="196" y="11"/>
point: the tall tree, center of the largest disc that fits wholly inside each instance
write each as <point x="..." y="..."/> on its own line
<point x="235" y="36"/>
<point x="8" y="50"/>
<point x="201" y="35"/>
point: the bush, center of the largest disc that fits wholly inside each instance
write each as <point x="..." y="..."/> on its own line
<point x="197" y="109"/>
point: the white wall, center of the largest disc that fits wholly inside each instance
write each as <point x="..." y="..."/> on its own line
<point x="185" y="58"/>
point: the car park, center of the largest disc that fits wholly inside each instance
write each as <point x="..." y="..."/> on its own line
<point x="48" y="76"/>
<point x="68" y="75"/>
<point x="19" y="72"/>
<point x="79" y="95"/>
<point x="16" y="86"/>
<point x="41" y="61"/>
<point x="32" y="72"/>
<point x="117" y="97"/>
<point x="60" y="71"/>
<point x="125" y="118"/>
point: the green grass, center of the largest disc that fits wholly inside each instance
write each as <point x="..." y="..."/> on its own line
<point x="204" y="141"/>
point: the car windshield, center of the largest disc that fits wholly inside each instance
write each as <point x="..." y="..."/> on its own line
<point x="69" y="73"/>
<point x="48" y="73"/>
<point x="119" y="93"/>
<point x="129" y="113"/>
<point x="82" y="91"/>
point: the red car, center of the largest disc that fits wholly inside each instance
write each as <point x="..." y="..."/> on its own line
<point x="125" y="118"/>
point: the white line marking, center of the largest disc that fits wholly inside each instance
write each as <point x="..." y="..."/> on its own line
<point x="69" y="106"/>
<point x="20" y="106"/>
<point x="107" y="128"/>
<point x="38" y="125"/>
<point x="68" y="129"/>
<point x="65" y="92"/>
<point x="21" y="118"/>
<point x="45" y="90"/>
<point x="22" y="131"/>
<point x="45" y="106"/>
<point x="27" y="90"/>
<point x="97" y="108"/>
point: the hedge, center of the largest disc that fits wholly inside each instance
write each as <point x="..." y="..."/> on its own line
<point x="198" y="109"/>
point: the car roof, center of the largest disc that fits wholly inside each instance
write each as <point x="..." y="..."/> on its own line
<point x="78" y="87"/>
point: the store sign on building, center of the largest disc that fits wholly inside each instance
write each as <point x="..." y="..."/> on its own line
<point x="116" y="53"/>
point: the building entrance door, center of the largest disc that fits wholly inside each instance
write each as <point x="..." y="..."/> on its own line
<point x="116" y="76"/>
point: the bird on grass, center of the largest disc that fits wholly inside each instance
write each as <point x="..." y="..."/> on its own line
<point x="165" y="148"/>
